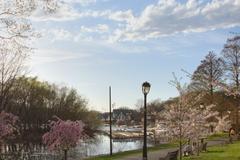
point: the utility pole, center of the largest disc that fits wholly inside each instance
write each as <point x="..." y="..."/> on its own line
<point x="110" y="118"/>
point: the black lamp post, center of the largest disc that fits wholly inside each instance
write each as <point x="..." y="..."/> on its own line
<point x="145" y="89"/>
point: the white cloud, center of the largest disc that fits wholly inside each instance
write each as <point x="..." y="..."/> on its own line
<point x="61" y="34"/>
<point x="68" y="12"/>
<point x="100" y="28"/>
<point x="126" y="16"/>
<point x="64" y="12"/>
<point x="81" y="2"/>
<point x="42" y="56"/>
<point x="169" y="17"/>
<point x="98" y="32"/>
<point x="57" y="34"/>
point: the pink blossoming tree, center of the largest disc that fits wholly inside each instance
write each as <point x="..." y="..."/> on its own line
<point x="223" y="124"/>
<point x="63" y="135"/>
<point x="7" y="124"/>
<point x="185" y="119"/>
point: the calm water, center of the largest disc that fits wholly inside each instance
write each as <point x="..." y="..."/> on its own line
<point x="101" y="146"/>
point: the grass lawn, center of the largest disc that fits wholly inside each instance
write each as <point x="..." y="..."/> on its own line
<point x="155" y="148"/>
<point x="217" y="135"/>
<point x="227" y="152"/>
<point x="127" y="153"/>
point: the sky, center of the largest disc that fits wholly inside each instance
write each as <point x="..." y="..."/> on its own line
<point x="93" y="44"/>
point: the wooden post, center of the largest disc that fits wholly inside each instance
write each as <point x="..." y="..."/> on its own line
<point x="110" y="118"/>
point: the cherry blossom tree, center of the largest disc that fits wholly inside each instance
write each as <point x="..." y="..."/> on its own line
<point x="7" y="125"/>
<point x="223" y="124"/>
<point x="185" y="119"/>
<point x="63" y="135"/>
<point x="200" y="122"/>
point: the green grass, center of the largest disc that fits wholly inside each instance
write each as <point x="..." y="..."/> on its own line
<point x="133" y="152"/>
<point x="218" y="135"/>
<point x="227" y="152"/>
<point x="155" y="148"/>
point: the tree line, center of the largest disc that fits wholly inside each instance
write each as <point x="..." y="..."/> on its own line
<point x="36" y="102"/>
<point x="33" y="101"/>
<point x="218" y="77"/>
<point x="201" y="105"/>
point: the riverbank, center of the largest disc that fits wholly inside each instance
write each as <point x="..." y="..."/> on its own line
<point x="123" y="132"/>
<point x="125" y="135"/>
<point x="158" y="150"/>
<point x="121" y="155"/>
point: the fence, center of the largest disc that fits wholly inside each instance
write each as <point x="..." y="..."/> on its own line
<point x="28" y="156"/>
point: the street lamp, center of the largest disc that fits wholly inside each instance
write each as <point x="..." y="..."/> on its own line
<point x="145" y="89"/>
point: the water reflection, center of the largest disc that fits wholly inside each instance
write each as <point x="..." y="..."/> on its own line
<point x="100" y="146"/>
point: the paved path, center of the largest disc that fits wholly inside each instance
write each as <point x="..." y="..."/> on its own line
<point x="155" y="155"/>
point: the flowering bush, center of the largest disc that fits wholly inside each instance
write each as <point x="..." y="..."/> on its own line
<point x="63" y="135"/>
<point x="7" y="124"/>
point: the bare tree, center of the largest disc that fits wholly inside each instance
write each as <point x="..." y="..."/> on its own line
<point x="210" y="69"/>
<point x="16" y="33"/>
<point x="231" y="55"/>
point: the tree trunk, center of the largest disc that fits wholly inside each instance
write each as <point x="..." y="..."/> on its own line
<point x="65" y="154"/>
<point x="180" y="149"/>
<point x="237" y="122"/>
<point x="180" y="143"/>
<point x="211" y="78"/>
<point x="198" y="150"/>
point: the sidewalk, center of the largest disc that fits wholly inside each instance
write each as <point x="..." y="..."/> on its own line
<point x="155" y="155"/>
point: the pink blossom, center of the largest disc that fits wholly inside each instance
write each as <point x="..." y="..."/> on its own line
<point x="63" y="135"/>
<point x="7" y="124"/>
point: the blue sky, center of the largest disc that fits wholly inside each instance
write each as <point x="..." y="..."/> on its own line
<point x="91" y="44"/>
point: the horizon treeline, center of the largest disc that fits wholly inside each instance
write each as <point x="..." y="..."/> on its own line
<point x="36" y="102"/>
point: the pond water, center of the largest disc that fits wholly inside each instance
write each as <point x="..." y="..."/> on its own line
<point x="100" y="146"/>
